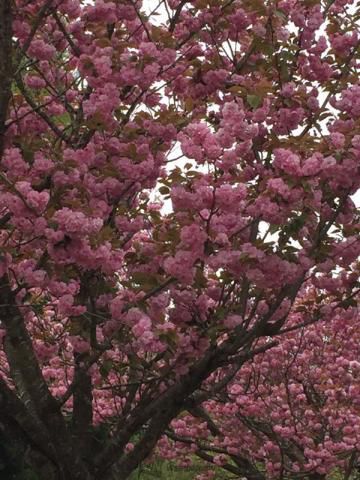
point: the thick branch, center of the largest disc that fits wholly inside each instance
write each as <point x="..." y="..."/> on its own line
<point x="20" y="352"/>
<point x="30" y="382"/>
<point x="12" y="407"/>
<point x="82" y="407"/>
<point x="162" y="410"/>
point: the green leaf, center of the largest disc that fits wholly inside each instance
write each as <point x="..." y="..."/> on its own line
<point x="280" y="14"/>
<point x="64" y="119"/>
<point x="164" y="190"/>
<point x="200" y="279"/>
<point x="253" y="100"/>
<point x="105" y="368"/>
<point x="144" y="279"/>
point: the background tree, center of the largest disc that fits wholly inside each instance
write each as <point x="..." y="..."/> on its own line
<point x="119" y="315"/>
<point x="293" y="412"/>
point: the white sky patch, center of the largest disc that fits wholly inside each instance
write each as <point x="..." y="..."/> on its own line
<point x="157" y="11"/>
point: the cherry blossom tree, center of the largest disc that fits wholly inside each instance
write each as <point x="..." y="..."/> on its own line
<point x="293" y="412"/>
<point x="179" y="241"/>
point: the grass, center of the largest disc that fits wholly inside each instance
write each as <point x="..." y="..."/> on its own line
<point x="165" y="470"/>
